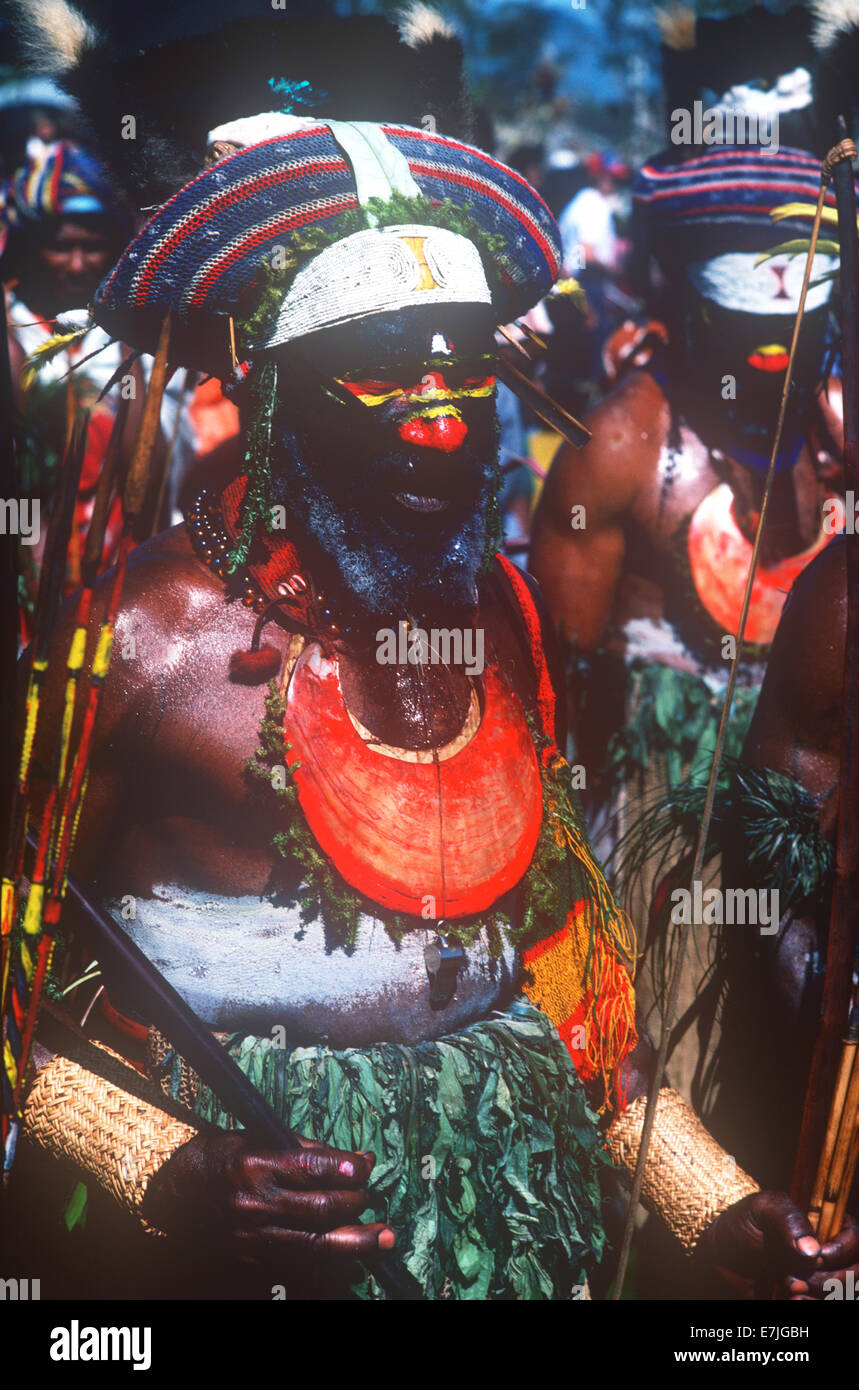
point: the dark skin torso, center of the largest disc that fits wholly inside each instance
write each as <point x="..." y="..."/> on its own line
<point x="617" y="567"/>
<point x="796" y="731"/>
<point x="638" y="506"/>
<point x="168" y="797"/>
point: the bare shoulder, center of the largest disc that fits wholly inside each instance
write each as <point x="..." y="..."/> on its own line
<point x="170" y="612"/>
<point x="168" y="594"/>
<point x="629" y="428"/>
<point x="814" y="619"/>
<point x="800" y="705"/>
<point x="175" y="620"/>
<point x="165" y="578"/>
<point x="637" y="394"/>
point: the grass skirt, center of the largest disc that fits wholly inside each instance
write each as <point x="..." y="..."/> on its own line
<point x="487" y="1153"/>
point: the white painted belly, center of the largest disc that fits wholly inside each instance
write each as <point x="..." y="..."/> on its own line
<point x="242" y="963"/>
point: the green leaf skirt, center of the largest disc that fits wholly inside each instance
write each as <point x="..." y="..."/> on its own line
<point x="487" y="1153"/>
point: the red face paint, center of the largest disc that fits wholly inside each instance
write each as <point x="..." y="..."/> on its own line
<point x="772" y="358"/>
<point x="434" y="422"/>
<point x="444" y="432"/>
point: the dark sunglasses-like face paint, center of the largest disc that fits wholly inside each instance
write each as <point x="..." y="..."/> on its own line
<point x="428" y="410"/>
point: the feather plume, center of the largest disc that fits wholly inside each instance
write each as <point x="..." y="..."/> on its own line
<point x="419" y="24"/>
<point x="677" y="26"/>
<point x="833" y="20"/>
<point x="52" y="35"/>
<point x="440" y="88"/>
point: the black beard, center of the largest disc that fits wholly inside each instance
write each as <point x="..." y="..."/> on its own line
<point x="392" y="562"/>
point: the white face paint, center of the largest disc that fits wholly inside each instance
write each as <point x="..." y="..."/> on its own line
<point x="736" y="281"/>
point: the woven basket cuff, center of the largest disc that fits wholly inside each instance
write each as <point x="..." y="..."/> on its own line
<point x="689" y="1180"/>
<point x="119" y="1139"/>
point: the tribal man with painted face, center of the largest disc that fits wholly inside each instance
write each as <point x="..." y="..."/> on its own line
<point x="368" y="876"/>
<point x="642" y="544"/>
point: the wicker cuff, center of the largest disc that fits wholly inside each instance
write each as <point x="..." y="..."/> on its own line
<point x="689" y="1180"/>
<point x="121" y="1140"/>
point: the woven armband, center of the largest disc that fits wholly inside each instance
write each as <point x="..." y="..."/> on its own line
<point x="118" y="1138"/>
<point x="689" y="1180"/>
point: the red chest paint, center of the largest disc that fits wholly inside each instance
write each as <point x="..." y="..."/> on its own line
<point x="442" y="833"/>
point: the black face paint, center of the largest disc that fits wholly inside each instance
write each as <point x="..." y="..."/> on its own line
<point x="735" y="363"/>
<point x="404" y="527"/>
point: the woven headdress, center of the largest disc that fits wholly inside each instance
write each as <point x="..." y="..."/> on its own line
<point x="752" y="102"/>
<point x="722" y="201"/>
<point x="58" y="180"/>
<point x="208" y="252"/>
<point x="360" y="196"/>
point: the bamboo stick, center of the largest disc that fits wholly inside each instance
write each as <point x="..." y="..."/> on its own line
<point x="101" y="506"/>
<point x="838" y="1166"/>
<point x="554" y="415"/>
<point x="847" y="1181"/>
<point x="535" y="337"/>
<point x="514" y="342"/>
<point x="139" y="471"/>
<point x="836" y="1112"/>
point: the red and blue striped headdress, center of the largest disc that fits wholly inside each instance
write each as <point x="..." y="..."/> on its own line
<point x="58" y="180"/>
<point x="723" y="199"/>
<point x="203" y="253"/>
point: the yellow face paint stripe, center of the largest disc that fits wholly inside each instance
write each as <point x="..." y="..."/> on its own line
<point x="432" y="413"/>
<point x="368" y="399"/>
<point x="430" y="393"/>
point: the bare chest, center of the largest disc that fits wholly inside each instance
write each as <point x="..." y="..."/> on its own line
<point x="195" y="881"/>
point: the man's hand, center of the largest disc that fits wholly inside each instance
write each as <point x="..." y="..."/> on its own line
<point x="764" y="1243"/>
<point x="838" y="1258"/>
<point x="302" y="1204"/>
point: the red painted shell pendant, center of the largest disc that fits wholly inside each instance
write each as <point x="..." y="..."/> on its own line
<point x="439" y="833"/>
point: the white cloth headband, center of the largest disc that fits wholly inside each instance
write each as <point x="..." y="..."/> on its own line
<point x="380" y="169"/>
